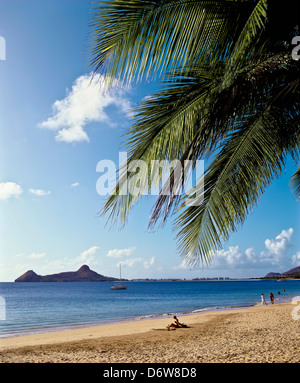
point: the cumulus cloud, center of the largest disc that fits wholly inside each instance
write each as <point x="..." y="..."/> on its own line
<point x="139" y="260"/>
<point x="120" y="253"/>
<point x="231" y="257"/>
<point x="86" y="102"/>
<point x="296" y="259"/>
<point x="9" y="190"/>
<point x="39" y="192"/>
<point x="274" y="254"/>
<point x="130" y="262"/>
<point x="280" y="243"/>
<point x="148" y="264"/>
<point x="87" y="256"/>
<point x="250" y="253"/>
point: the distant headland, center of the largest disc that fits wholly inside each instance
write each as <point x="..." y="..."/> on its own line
<point x="84" y="274"/>
<point x="290" y="274"/>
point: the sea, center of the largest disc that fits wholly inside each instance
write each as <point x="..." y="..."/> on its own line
<point x="34" y="307"/>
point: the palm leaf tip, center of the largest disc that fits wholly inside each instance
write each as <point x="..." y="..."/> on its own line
<point x="295" y="183"/>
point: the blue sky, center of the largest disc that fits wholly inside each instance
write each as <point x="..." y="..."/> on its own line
<point x="54" y="129"/>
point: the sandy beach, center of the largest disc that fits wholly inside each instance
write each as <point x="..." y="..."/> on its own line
<point x="256" y="334"/>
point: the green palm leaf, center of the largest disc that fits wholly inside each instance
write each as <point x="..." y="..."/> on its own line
<point x="231" y="93"/>
<point x="246" y="165"/>
<point x="164" y="125"/>
<point x="247" y="48"/>
<point x="295" y="183"/>
<point x="137" y="38"/>
<point x="236" y="102"/>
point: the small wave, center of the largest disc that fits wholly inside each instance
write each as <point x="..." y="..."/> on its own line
<point x="192" y="312"/>
<point x="149" y="316"/>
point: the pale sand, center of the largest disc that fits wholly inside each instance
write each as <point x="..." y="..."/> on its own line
<point x="256" y="334"/>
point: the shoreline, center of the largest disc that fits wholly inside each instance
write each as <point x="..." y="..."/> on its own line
<point x="98" y="331"/>
<point x="253" y="334"/>
<point x="70" y="327"/>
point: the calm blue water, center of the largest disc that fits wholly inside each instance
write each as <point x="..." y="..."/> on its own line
<point x="38" y="307"/>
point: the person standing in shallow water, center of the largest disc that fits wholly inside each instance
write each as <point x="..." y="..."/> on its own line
<point x="271" y="298"/>
<point x="263" y="300"/>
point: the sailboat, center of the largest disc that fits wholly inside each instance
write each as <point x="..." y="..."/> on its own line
<point x="119" y="286"/>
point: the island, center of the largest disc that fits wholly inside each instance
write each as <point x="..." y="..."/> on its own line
<point x="83" y="274"/>
<point x="290" y="274"/>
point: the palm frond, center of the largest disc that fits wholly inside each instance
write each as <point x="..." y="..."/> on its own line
<point x="295" y="183"/>
<point x="228" y="109"/>
<point x="183" y="122"/>
<point x="234" y="182"/>
<point x="248" y="47"/>
<point x="230" y="93"/>
<point x="132" y="39"/>
<point x="164" y="126"/>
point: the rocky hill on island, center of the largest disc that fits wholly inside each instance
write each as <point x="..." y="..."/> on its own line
<point x="84" y="274"/>
<point x="293" y="273"/>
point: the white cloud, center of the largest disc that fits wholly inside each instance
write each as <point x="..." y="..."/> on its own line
<point x="148" y="264"/>
<point x="130" y="262"/>
<point x="273" y="255"/>
<point x="296" y="259"/>
<point x="75" y="184"/>
<point x="120" y="253"/>
<point x="280" y="243"/>
<point x="133" y="261"/>
<point x="69" y="264"/>
<point x="92" y="250"/>
<point x="181" y="266"/>
<point x="9" y="190"/>
<point x="250" y="253"/>
<point x="39" y="192"/>
<point x="231" y="257"/>
<point x="87" y="256"/>
<point x="84" y="103"/>
<point x="37" y="255"/>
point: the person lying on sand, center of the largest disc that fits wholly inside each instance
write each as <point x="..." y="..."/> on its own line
<point x="177" y="324"/>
